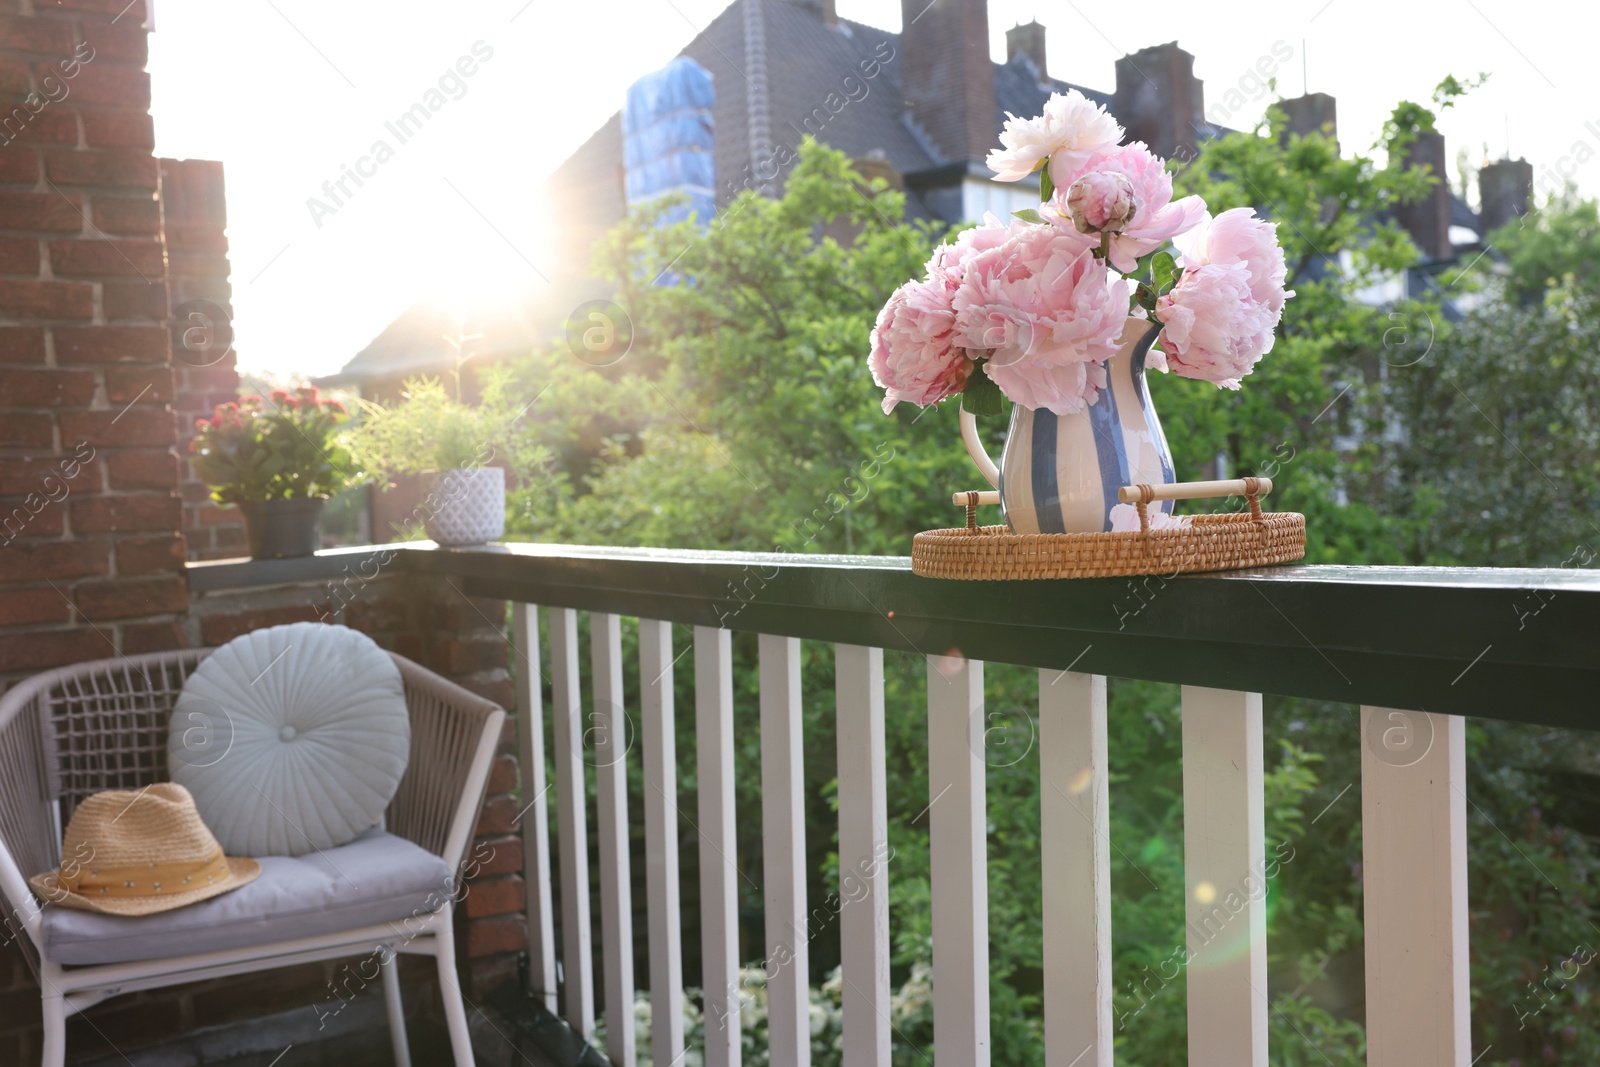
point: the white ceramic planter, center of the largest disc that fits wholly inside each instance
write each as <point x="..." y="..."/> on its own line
<point x="465" y="507"/>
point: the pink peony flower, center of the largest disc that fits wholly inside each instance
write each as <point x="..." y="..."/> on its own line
<point x="914" y="354"/>
<point x="1046" y="312"/>
<point x="1071" y="129"/>
<point x="948" y="264"/>
<point x="1026" y="250"/>
<point x="1157" y="217"/>
<point x="1237" y="236"/>
<point x="1213" y="328"/>
<point x="1101" y="200"/>
<point x="1063" y="388"/>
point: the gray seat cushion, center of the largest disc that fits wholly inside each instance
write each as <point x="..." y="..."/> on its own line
<point x="376" y="878"/>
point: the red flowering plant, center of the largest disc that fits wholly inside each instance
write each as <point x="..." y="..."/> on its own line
<point x="281" y="447"/>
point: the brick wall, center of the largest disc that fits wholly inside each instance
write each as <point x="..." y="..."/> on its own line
<point x="194" y="221"/>
<point x="95" y="251"/>
<point x="91" y="557"/>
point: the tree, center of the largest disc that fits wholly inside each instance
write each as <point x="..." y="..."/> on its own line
<point x="1305" y="416"/>
<point x="1558" y="246"/>
<point x="746" y="381"/>
<point x="1502" y="443"/>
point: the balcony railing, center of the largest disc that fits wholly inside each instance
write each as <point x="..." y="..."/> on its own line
<point x="1416" y="648"/>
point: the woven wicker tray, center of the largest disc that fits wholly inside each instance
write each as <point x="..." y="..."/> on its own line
<point x="1209" y="543"/>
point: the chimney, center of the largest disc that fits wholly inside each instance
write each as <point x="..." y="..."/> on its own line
<point x="1159" y="100"/>
<point x="1505" y="188"/>
<point x="1312" y="113"/>
<point x="1428" y="220"/>
<point x="947" y="77"/>
<point x="827" y="9"/>
<point x="1027" y="41"/>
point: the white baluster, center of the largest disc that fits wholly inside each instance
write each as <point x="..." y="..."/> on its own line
<point x="1414" y="873"/>
<point x="661" y="841"/>
<point x="536" y="812"/>
<point x="608" y="725"/>
<point x="1224" y="851"/>
<point x="719" y="873"/>
<point x="577" y="961"/>
<point x="863" y="856"/>
<point x="1075" y="830"/>
<point x="784" y="843"/>
<point x="959" y="869"/>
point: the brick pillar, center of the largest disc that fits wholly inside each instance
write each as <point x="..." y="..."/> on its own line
<point x="91" y="557"/>
<point x="194" y="221"/>
<point x="464" y="639"/>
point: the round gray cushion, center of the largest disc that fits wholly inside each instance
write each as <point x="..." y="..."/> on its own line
<point x="291" y="739"/>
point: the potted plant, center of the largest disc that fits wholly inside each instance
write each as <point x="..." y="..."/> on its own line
<point x="278" y="459"/>
<point x="450" y="444"/>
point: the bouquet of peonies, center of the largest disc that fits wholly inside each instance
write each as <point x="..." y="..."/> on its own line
<point x="1035" y="307"/>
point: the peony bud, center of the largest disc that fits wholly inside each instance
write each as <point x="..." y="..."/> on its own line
<point x="1101" y="202"/>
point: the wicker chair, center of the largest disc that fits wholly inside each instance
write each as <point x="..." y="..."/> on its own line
<point x="79" y="730"/>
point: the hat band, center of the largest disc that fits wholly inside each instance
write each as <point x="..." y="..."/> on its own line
<point x="148" y="879"/>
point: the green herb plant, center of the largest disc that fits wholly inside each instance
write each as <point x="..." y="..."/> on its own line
<point x="431" y="430"/>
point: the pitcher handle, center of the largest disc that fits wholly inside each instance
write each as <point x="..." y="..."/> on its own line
<point x="975" y="449"/>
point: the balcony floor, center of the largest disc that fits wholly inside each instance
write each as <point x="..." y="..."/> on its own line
<point x="357" y="1037"/>
<point x="509" y="1031"/>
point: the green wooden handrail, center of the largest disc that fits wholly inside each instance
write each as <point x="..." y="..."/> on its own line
<point x="1520" y="645"/>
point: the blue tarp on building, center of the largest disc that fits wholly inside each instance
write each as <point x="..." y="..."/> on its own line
<point x="668" y="137"/>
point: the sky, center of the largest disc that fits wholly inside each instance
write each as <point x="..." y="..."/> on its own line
<point x="290" y="93"/>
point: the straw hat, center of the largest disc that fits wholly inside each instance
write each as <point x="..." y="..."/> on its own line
<point x="138" y="853"/>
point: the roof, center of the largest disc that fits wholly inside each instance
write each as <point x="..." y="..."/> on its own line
<point x="414" y="343"/>
<point x="804" y="59"/>
<point x="839" y="83"/>
<point x="815" y="83"/>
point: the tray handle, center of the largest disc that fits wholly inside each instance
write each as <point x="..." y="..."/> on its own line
<point x="1252" y="489"/>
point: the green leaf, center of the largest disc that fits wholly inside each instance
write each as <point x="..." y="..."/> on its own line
<point x="1145" y="297"/>
<point x="1028" y="214"/>
<point x="1047" y="188"/>
<point x="1164" y="272"/>
<point x="981" y="396"/>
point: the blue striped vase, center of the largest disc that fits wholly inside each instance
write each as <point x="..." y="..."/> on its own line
<point x="1061" y="473"/>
